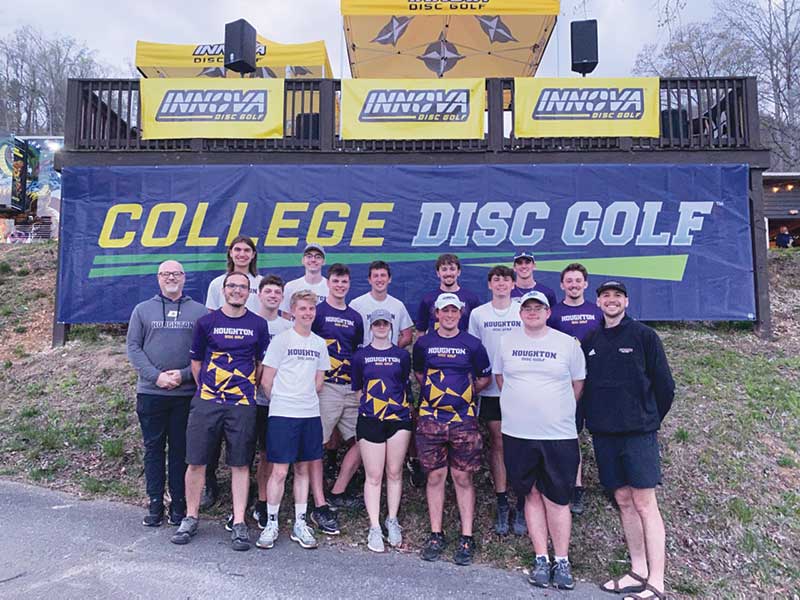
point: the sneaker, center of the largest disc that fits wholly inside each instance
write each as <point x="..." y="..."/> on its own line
<point x="540" y="572"/>
<point x="464" y="551"/>
<point x="346" y="501"/>
<point x="260" y="514"/>
<point x="267" y="538"/>
<point x="375" y="539"/>
<point x="519" y="526"/>
<point x="562" y="575"/>
<point x="501" y="519"/>
<point x="434" y="547"/>
<point x="210" y="494"/>
<point x="229" y="523"/>
<point x="395" y="532"/>
<point x="324" y="520"/>
<point x="577" y="507"/>
<point x="303" y="535"/>
<point x="186" y="531"/>
<point x="177" y="511"/>
<point x="240" y="537"/>
<point x="155" y="513"/>
<point x="417" y="477"/>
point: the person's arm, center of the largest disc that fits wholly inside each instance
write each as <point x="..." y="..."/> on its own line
<point x="659" y="373"/>
<point x="267" y="379"/>
<point x="577" y="388"/>
<point x="198" y="350"/>
<point x="418" y="361"/>
<point x="481" y="383"/>
<point x="196" y="366"/>
<point x="135" y="345"/>
<point x="423" y="317"/>
<point x="319" y="380"/>
<point x="499" y="379"/>
<point x="405" y="337"/>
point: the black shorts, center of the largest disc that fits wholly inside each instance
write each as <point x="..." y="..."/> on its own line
<point x="294" y="440"/>
<point x="490" y="408"/>
<point x="550" y="465"/>
<point x="209" y="422"/>
<point x="628" y="460"/>
<point x="377" y="431"/>
<point x="262" y="414"/>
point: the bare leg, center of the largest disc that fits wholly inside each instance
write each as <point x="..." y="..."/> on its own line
<point x="301" y="477"/>
<point x="559" y="525"/>
<point x="537" y="521"/>
<point x="317" y="489"/>
<point x="262" y="475"/>
<point x="195" y="480"/>
<point x="396" y="447"/>
<point x="646" y="506"/>
<point x="350" y="463"/>
<point x="276" y="482"/>
<point x="374" y="457"/>
<point x="579" y="477"/>
<point x="465" y="496"/>
<point x="496" y="465"/>
<point x="240" y="482"/>
<point x="634" y="536"/>
<point x="434" y="491"/>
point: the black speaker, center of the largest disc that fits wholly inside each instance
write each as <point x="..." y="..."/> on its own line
<point x="240" y="46"/>
<point x="584" y="46"/>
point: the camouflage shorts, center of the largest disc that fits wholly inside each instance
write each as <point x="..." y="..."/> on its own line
<point x="457" y="445"/>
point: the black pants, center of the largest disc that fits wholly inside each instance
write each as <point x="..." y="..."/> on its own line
<point x="163" y="420"/>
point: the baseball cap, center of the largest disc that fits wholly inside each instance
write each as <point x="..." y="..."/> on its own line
<point x="534" y="295"/>
<point x="448" y="299"/>
<point x="380" y="314"/>
<point x="524" y="254"/>
<point x="317" y="247"/>
<point x="612" y="285"/>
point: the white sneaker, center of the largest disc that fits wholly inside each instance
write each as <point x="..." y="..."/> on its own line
<point x="375" y="539"/>
<point x="303" y="534"/>
<point x="267" y="538"/>
<point x="395" y="536"/>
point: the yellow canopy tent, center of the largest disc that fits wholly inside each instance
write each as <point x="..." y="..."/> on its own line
<point x="447" y="38"/>
<point x="273" y="60"/>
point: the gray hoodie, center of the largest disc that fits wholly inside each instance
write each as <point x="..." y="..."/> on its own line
<point x="159" y="338"/>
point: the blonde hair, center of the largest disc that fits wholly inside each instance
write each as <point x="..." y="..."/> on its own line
<point x="307" y="295"/>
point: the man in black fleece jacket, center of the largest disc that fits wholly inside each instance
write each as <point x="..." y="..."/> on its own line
<point x="629" y="390"/>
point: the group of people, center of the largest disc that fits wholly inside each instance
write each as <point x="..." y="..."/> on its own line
<point x="288" y="371"/>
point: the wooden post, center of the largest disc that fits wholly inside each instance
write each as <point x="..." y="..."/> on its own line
<point x="760" y="265"/>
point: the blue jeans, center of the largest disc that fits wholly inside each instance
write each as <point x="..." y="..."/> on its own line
<point x="163" y="420"/>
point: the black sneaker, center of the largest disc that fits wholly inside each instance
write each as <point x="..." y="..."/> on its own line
<point x="260" y="513"/>
<point x="325" y="520"/>
<point x="177" y="511"/>
<point x="346" y="501"/>
<point x="418" y="478"/>
<point x="210" y="494"/>
<point x="229" y="523"/>
<point x="185" y="532"/>
<point x="155" y="513"/>
<point x="562" y="575"/>
<point x="464" y="551"/>
<point x="434" y="547"/>
<point x="501" y="519"/>
<point x="240" y="537"/>
<point x="577" y="507"/>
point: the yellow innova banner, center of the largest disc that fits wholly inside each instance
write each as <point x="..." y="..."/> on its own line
<point x="413" y="109"/>
<point x="620" y="107"/>
<point x="212" y="108"/>
<point x="449" y="7"/>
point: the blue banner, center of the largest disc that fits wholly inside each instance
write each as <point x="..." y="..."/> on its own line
<point x="677" y="235"/>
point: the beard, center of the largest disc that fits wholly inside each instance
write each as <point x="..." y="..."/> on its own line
<point x="236" y="304"/>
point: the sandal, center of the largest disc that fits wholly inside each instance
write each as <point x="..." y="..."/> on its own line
<point x="630" y="589"/>
<point x="654" y="594"/>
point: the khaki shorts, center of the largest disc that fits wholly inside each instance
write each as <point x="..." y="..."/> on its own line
<point x="338" y="407"/>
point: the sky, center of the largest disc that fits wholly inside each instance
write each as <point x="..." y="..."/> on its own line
<point x="111" y="27"/>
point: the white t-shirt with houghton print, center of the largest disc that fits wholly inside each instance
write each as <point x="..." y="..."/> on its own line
<point x="489" y="325"/>
<point x="401" y="320"/>
<point x="295" y="285"/>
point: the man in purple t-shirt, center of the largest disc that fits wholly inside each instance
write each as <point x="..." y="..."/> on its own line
<point x="227" y="350"/>
<point x="578" y="318"/>
<point x="448" y="270"/>
<point x="524" y="268"/>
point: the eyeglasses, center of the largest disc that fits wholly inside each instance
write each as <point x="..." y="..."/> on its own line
<point x="237" y="286"/>
<point x="534" y="309"/>
<point x="168" y="274"/>
<point x="315" y="256"/>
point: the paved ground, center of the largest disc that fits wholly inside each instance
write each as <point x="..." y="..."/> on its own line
<point x="54" y="545"/>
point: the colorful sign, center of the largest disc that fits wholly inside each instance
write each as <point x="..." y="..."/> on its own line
<point x="449" y="7"/>
<point x="555" y="107"/>
<point x="192" y="108"/>
<point x="413" y="109"/>
<point x="677" y="235"/>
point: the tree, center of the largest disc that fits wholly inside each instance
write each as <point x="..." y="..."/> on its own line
<point x="33" y="79"/>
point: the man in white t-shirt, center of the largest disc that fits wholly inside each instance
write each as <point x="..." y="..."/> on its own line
<point x="313" y="261"/>
<point x="489" y="323"/>
<point x="294" y="370"/>
<point x="541" y="372"/>
<point x="242" y="258"/>
<point x="378" y="297"/>
<point x="270" y="293"/>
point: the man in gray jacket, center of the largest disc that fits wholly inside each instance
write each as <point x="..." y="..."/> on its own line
<point x="159" y="338"/>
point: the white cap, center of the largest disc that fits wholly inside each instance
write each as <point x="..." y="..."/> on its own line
<point x="534" y="295"/>
<point x="449" y="299"/>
